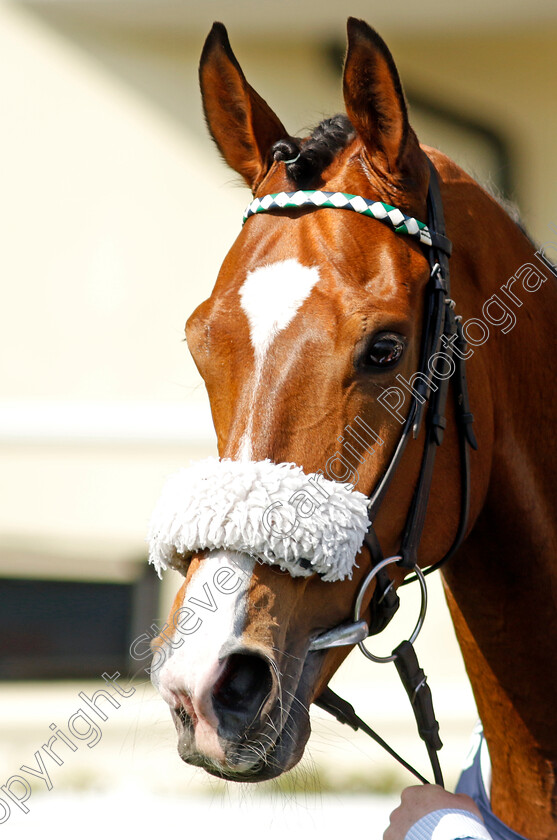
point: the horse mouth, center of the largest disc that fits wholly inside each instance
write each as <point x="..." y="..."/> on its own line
<point x="260" y="754"/>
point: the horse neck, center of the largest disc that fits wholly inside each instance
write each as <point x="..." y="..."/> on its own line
<point x="502" y="586"/>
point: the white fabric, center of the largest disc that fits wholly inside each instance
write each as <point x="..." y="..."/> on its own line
<point x="221" y="504"/>
<point x="478" y="742"/>
<point x="449" y="824"/>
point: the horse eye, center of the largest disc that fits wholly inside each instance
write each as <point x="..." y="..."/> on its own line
<point x="383" y="352"/>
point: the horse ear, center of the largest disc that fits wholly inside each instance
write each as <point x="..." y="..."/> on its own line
<point x="240" y="121"/>
<point x="374" y="98"/>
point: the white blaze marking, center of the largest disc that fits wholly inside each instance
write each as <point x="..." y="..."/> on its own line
<point x="217" y="600"/>
<point x="210" y="628"/>
<point x="271" y="296"/>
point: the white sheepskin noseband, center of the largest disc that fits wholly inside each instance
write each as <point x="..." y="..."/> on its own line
<point x="303" y="523"/>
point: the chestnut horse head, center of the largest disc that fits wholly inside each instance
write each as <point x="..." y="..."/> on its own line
<point x="316" y="315"/>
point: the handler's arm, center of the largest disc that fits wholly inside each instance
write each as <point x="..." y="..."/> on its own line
<point x="427" y="808"/>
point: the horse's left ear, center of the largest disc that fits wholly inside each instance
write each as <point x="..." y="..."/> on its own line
<point x="241" y="123"/>
<point x="374" y="99"/>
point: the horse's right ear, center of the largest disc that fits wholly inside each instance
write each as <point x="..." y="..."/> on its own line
<point x="240" y="121"/>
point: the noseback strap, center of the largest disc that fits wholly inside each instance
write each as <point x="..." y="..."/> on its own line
<point x="302" y="522"/>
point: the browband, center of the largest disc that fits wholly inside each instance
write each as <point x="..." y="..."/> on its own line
<point x="391" y="216"/>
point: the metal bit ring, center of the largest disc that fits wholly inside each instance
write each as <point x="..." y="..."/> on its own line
<point x="423" y="606"/>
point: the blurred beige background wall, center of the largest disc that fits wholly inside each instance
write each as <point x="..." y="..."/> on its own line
<point x="116" y="213"/>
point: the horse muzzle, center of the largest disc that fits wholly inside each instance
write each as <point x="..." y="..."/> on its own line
<point x="242" y="721"/>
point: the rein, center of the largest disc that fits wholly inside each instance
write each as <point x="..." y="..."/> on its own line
<point x="441" y="328"/>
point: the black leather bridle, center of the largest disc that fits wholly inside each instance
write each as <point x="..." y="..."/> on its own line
<point x="442" y="329"/>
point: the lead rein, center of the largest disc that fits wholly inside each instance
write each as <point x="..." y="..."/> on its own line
<point x="415" y="682"/>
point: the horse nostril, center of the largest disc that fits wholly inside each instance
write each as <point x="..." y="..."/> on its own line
<point x="183" y="720"/>
<point x="242" y="688"/>
<point x="182" y="716"/>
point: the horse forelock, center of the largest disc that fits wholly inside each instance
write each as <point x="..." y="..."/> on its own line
<point x="306" y="159"/>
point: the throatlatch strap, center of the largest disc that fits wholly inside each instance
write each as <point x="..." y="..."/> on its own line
<point x="464" y="415"/>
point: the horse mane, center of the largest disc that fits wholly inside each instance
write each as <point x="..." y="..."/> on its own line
<point x="310" y="157"/>
<point x="510" y="207"/>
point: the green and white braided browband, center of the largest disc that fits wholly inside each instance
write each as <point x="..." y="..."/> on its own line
<point x="391" y="216"/>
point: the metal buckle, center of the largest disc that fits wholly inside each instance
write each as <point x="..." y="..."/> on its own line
<point x="358" y="606"/>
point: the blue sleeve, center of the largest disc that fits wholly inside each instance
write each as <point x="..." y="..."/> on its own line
<point x="449" y="824"/>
